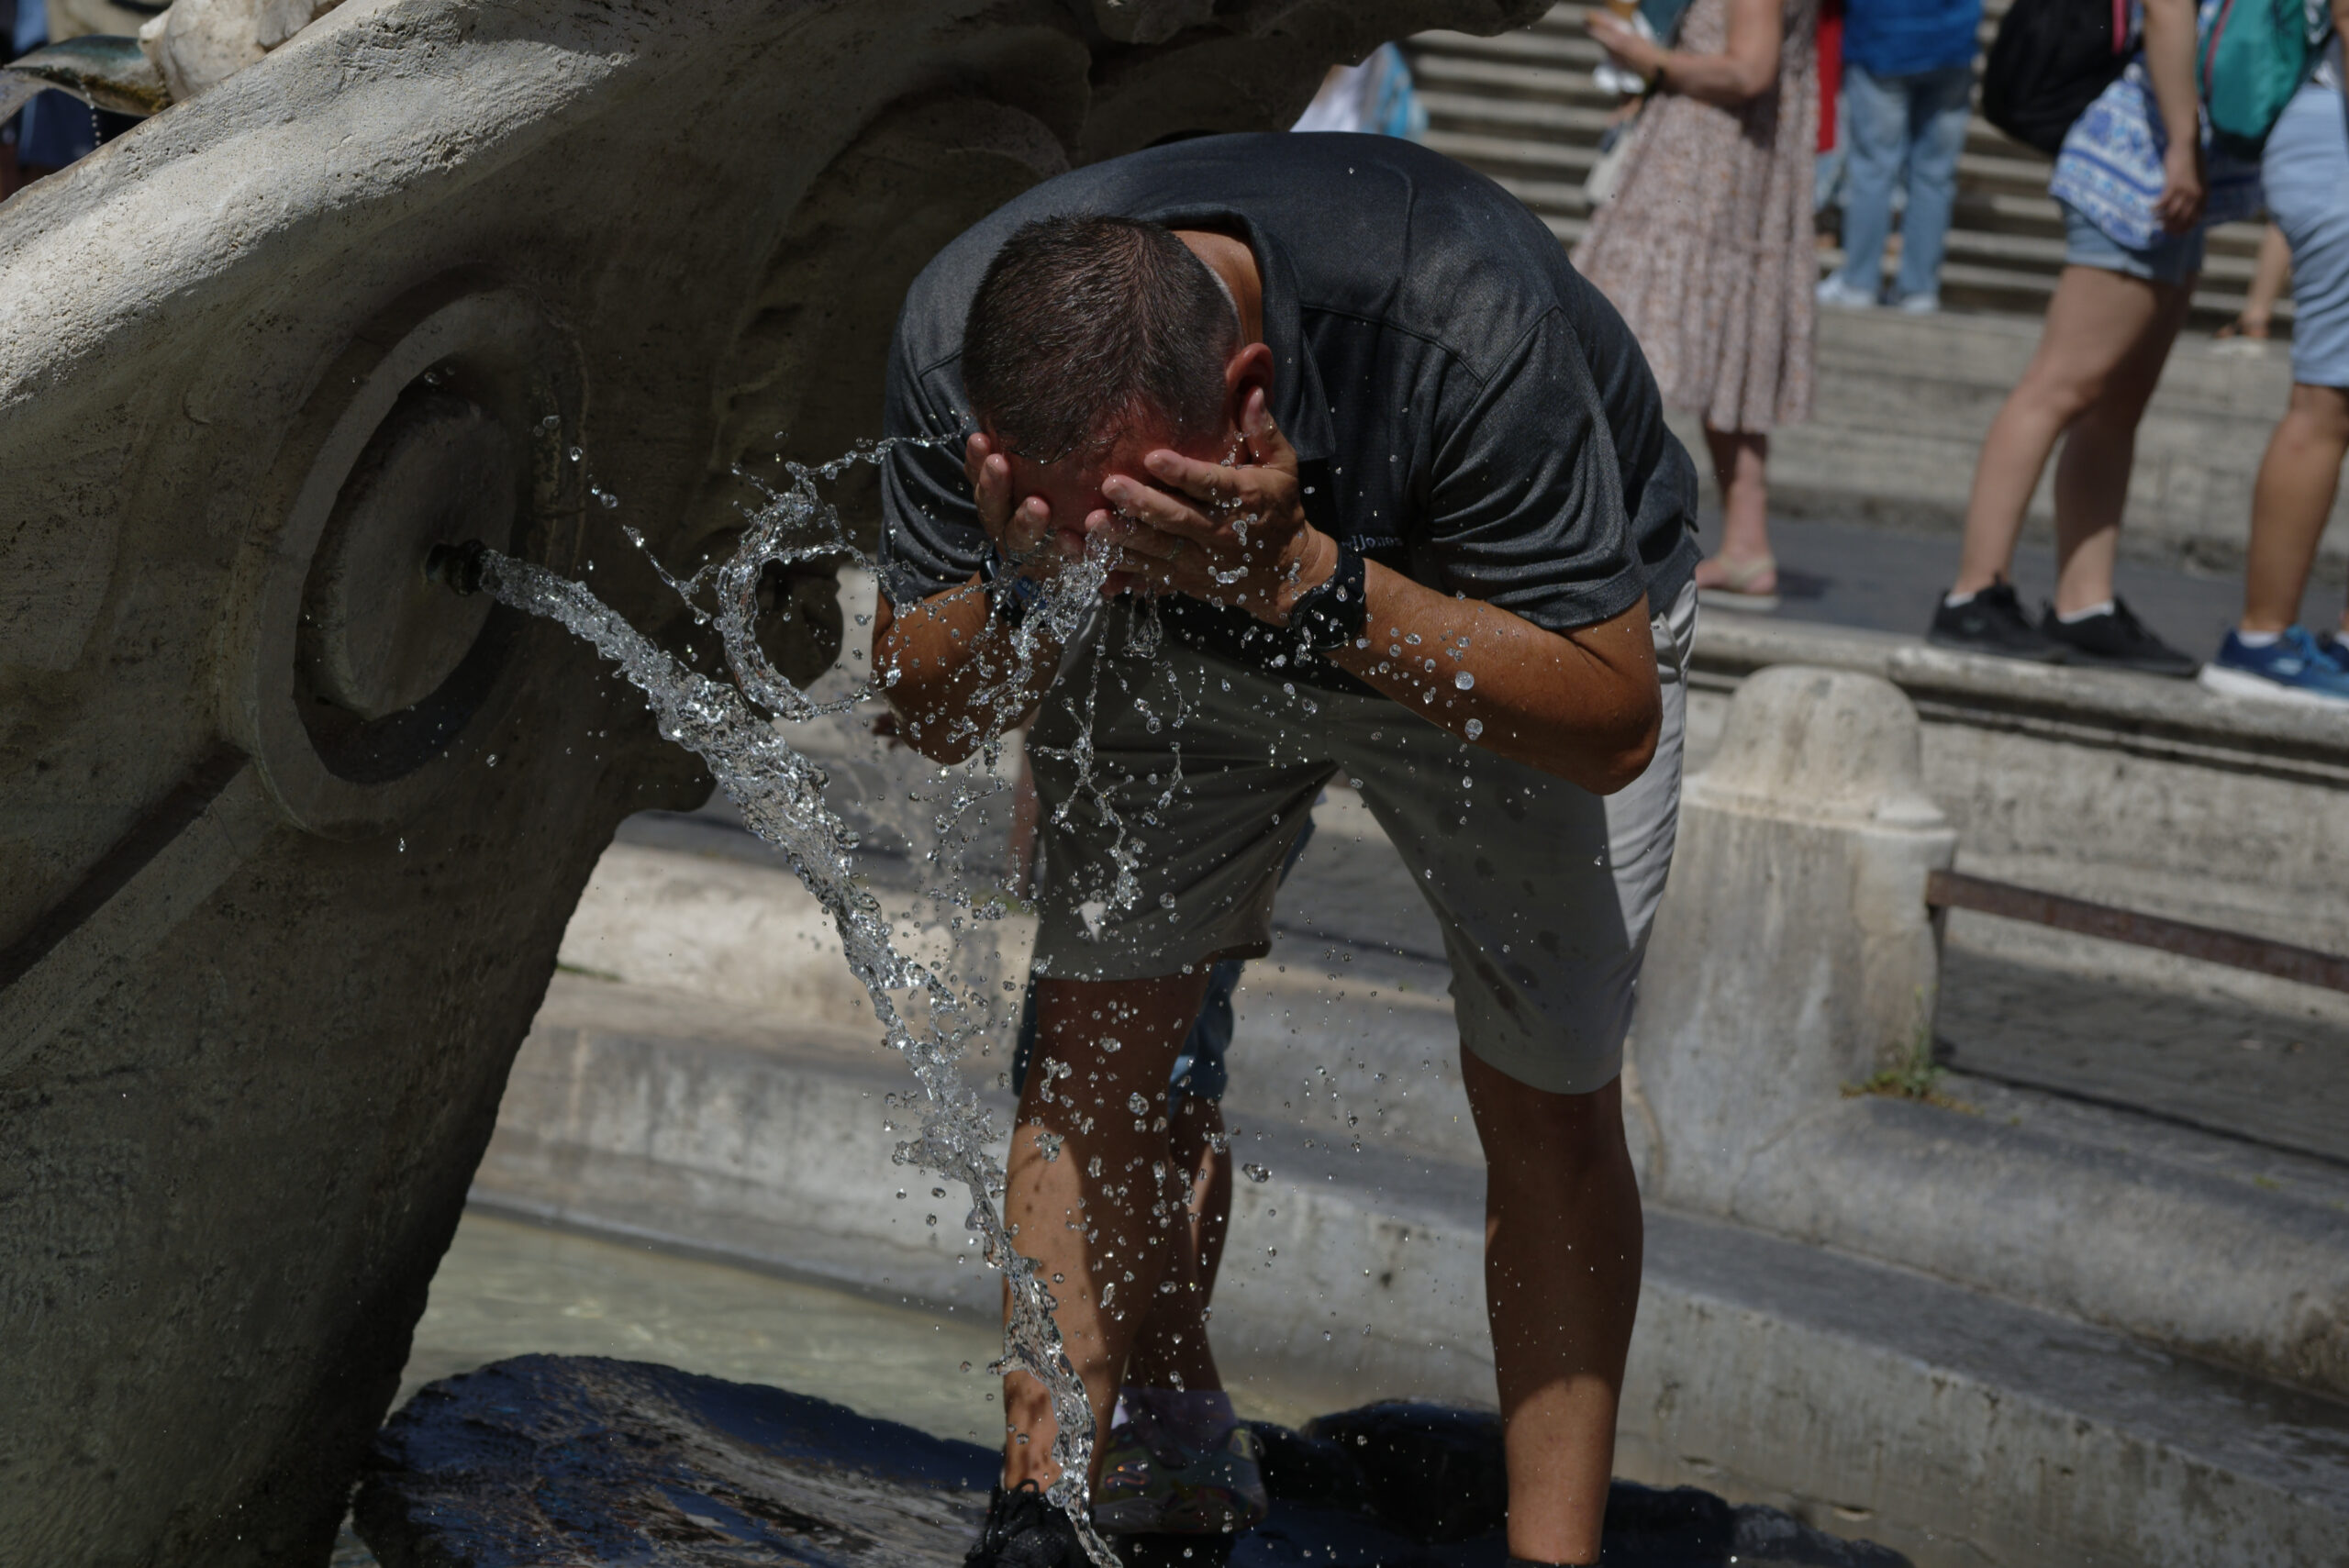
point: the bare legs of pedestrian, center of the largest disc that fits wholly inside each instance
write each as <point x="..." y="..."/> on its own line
<point x="1106" y="1216"/>
<point x="2297" y="480"/>
<point x="1744" y="564"/>
<point x="2267" y="280"/>
<point x="2101" y="355"/>
<point x="1562" y="1239"/>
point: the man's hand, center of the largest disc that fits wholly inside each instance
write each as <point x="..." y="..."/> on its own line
<point x="1022" y="533"/>
<point x="1227" y="535"/>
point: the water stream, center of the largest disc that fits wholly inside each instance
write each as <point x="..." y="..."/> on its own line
<point x="930" y="1015"/>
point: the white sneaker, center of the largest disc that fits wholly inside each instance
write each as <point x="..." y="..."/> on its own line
<point x="1835" y="291"/>
<point x="1921" y="305"/>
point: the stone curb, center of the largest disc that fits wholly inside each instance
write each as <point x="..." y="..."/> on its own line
<point x="1977" y="688"/>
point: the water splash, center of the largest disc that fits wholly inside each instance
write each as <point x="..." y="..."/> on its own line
<point x="779" y="793"/>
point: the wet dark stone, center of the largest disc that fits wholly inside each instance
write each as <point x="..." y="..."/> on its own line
<point x="1434" y="1474"/>
<point x="573" y="1460"/>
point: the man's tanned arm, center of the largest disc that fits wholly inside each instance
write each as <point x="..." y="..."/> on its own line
<point x="942" y="663"/>
<point x="1581" y="704"/>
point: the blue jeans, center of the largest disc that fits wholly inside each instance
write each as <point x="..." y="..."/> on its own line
<point x="1919" y="120"/>
<point x="1198" y="1069"/>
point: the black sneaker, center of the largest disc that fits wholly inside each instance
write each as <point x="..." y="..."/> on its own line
<point x="2118" y="639"/>
<point x="1023" y="1531"/>
<point x="1993" y="622"/>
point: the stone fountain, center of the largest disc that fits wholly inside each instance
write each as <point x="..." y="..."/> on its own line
<point x="287" y="835"/>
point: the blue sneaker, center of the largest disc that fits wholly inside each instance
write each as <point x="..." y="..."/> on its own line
<point x="2335" y="650"/>
<point x="2290" y="669"/>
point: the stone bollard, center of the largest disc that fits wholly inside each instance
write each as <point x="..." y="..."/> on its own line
<point x="1794" y="954"/>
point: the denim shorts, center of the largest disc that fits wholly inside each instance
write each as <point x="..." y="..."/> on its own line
<point x="2307" y="173"/>
<point x="2173" y="259"/>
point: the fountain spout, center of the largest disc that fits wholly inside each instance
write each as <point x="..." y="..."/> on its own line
<point x="456" y="567"/>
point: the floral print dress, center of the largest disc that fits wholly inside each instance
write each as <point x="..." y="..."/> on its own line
<point x="1707" y="247"/>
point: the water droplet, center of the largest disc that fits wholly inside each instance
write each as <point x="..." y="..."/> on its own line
<point x="493" y="759"/>
<point x="1255" y="1173"/>
<point x="575" y="453"/>
<point x="1475" y="728"/>
<point x="1464" y="681"/>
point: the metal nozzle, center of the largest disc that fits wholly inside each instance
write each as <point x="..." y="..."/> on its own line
<point x="456" y="567"/>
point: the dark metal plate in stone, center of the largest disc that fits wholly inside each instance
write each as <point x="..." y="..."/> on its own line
<point x="1956" y="890"/>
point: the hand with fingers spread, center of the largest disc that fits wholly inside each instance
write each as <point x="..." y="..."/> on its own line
<point x="1023" y="531"/>
<point x="1230" y="534"/>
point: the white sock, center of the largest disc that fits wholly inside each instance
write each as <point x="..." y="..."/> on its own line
<point x="2258" y="639"/>
<point x="2077" y="617"/>
<point x="1957" y="601"/>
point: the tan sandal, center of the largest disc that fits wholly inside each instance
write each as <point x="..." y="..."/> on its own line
<point x="1739" y="587"/>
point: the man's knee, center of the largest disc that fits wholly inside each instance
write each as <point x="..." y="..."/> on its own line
<point x="1535" y="1135"/>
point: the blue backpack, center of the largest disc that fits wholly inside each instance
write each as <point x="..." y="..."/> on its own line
<point x="2251" y="60"/>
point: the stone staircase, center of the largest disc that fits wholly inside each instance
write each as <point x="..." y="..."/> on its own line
<point x="1522" y="108"/>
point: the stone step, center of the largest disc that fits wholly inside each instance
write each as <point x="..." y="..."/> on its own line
<point x="1903" y="403"/>
<point x="1346" y="1036"/>
<point x="1956" y="1427"/>
<point x="1535" y="86"/>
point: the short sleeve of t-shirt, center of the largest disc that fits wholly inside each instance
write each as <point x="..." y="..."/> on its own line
<point x="931" y="540"/>
<point x="1525" y="505"/>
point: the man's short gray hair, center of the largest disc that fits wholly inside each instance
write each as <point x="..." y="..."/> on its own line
<point x="1084" y="323"/>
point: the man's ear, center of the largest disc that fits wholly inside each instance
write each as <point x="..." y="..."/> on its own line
<point x="1248" y="371"/>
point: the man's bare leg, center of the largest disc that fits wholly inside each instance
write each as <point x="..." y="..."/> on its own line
<point x="1171" y="1350"/>
<point x="1106" y="1219"/>
<point x="1563" y="1240"/>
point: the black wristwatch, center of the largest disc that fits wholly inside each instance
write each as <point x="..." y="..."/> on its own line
<point x="1010" y="594"/>
<point x="1333" y="612"/>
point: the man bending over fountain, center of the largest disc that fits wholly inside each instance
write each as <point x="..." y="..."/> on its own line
<point x="1393" y="484"/>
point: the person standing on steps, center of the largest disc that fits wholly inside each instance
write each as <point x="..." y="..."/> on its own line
<point x="1385" y="486"/>
<point x="2137" y="188"/>
<point x="2306" y="170"/>
<point x="1707" y="250"/>
<point x="1908" y="95"/>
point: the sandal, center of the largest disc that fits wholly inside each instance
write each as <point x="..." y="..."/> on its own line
<point x="1750" y="585"/>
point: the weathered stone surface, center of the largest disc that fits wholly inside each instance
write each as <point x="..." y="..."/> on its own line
<point x="1806" y="843"/>
<point x="559" y="1459"/>
<point x="267" y="944"/>
<point x="546" y="1459"/>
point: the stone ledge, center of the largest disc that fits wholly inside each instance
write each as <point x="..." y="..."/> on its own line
<point x="2171" y="718"/>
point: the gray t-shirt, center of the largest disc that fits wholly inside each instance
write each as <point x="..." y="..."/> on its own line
<point x="1466" y="408"/>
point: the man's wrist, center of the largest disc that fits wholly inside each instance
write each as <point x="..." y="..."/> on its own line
<point x="1332" y="614"/>
<point x="1316" y="559"/>
<point x="1011" y="593"/>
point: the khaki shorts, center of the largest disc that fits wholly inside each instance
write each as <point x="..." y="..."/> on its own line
<point x="1164" y="833"/>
